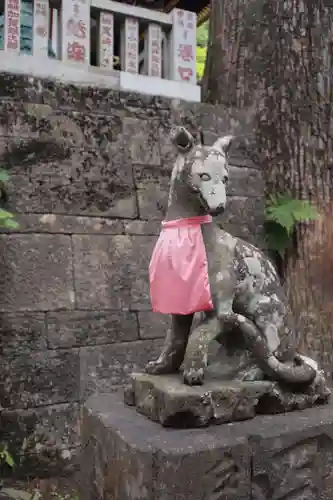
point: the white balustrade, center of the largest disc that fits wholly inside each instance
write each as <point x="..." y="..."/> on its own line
<point x="41" y="35"/>
<point x="55" y="35"/>
<point x="183" y="46"/>
<point x="99" y="42"/>
<point x="106" y="57"/>
<point x="12" y="26"/>
<point x="129" y="58"/>
<point x="153" y="50"/>
<point x="75" y="31"/>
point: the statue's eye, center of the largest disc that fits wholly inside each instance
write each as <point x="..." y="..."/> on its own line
<point x="225" y="179"/>
<point x="205" y="177"/>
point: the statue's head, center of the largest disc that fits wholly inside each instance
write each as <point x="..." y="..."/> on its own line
<point x="203" y="169"/>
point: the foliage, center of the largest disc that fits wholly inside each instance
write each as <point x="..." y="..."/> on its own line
<point x="282" y="213"/>
<point x="6" y="458"/>
<point x="6" y="218"/>
<point x="7" y="221"/>
<point x="14" y="494"/>
<point x="201" y="49"/>
<point x="19" y="494"/>
<point x="67" y="496"/>
<point x="201" y="60"/>
<point x="202" y="35"/>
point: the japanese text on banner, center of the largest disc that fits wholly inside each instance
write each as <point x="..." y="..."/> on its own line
<point x="77" y="30"/>
<point x="41" y="23"/>
<point x="132" y="38"/>
<point x="106" y="40"/>
<point x="12" y="28"/>
<point x="155" y="53"/>
<point x="185" y="46"/>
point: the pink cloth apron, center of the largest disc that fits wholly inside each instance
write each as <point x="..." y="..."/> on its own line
<point x="178" y="269"/>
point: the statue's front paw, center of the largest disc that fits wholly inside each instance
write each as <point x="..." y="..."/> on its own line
<point x="254" y="374"/>
<point x="158" y="368"/>
<point x="194" y="376"/>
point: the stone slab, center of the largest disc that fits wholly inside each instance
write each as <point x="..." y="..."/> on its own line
<point x="118" y="268"/>
<point x="104" y="368"/>
<point x="237" y="206"/>
<point x="21" y="333"/>
<point x="297" y="464"/>
<point x="66" y="329"/>
<point x="153" y="325"/>
<point x="36" y="430"/>
<point x="36" y="272"/>
<point x="69" y="224"/>
<point x="127" y="456"/>
<point x="167" y="400"/>
<point x="42" y="439"/>
<point x="84" y="183"/>
<point x="39" y="379"/>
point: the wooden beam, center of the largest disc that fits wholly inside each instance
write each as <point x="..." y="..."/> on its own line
<point x="203" y="15"/>
<point x="137" y="12"/>
<point x="171" y="5"/>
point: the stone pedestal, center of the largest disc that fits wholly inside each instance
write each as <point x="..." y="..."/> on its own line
<point x="126" y="456"/>
<point x="166" y="399"/>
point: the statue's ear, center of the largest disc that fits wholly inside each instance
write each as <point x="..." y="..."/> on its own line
<point x="182" y="139"/>
<point x="223" y="144"/>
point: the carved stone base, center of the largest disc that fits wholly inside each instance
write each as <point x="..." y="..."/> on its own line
<point x="167" y="400"/>
<point x="126" y="456"/>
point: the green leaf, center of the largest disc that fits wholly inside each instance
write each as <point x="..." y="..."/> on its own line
<point x="304" y="211"/>
<point x="202" y="34"/>
<point x="201" y="54"/>
<point x="16" y="494"/>
<point x="277" y="237"/>
<point x="11" y="224"/>
<point x="281" y="216"/>
<point x="7" y="458"/>
<point x="4" y="177"/>
<point x="4" y="214"/>
<point x="36" y="495"/>
<point x="201" y="49"/>
<point x="287" y="211"/>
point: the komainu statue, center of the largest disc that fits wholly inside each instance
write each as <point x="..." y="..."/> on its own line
<point x="218" y="287"/>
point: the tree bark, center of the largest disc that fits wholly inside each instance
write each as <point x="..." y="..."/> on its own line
<point x="275" y="60"/>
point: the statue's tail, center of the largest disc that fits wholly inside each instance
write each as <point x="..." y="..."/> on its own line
<point x="301" y="370"/>
<point x="297" y="372"/>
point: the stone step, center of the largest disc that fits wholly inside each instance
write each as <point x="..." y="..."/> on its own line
<point x="129" y="457"/>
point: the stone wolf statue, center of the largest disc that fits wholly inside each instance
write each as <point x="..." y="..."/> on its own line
<point x="244" y="290"/>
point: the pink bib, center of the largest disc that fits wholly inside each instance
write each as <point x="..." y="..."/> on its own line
<point x="178" y="269"/>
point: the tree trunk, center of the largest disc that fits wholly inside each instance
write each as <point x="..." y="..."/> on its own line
<point x="274" y="59"/>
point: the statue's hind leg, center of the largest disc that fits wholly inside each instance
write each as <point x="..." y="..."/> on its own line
<point x="275" y="322"/>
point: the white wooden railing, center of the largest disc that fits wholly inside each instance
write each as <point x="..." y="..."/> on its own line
<point x="102" y="42"/>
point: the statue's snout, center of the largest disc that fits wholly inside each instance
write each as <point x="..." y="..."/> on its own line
<point x="182" y="139"/>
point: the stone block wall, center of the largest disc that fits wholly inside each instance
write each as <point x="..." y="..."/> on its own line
<point x="89" y="181"/>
